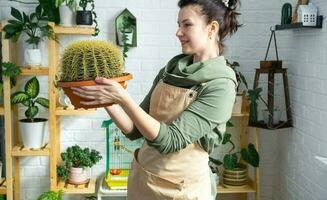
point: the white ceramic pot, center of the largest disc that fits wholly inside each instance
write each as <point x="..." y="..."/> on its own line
<point x="32" y="133"/>
<point x="276" y="116"/>
<point x="237" y="108"/>
<point x="79" y="175"/>
<point x="32" y="57"/>
<point x="129" y="38"/>
<point x="67" y="16"/>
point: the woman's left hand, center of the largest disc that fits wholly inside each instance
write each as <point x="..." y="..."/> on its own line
<point x="106" y="91"/>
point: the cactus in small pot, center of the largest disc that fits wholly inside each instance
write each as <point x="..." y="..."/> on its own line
<point x="84" y="60"/>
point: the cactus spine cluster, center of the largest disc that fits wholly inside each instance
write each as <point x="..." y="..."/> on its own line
<point x="87" y="59"/>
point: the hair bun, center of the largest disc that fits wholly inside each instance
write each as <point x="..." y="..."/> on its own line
<point x="230" y="4"/>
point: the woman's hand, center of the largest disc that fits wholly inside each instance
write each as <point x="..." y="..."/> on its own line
<point x="107" y="91"/>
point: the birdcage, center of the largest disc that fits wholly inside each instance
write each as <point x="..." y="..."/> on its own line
<point x="119" y="156"/>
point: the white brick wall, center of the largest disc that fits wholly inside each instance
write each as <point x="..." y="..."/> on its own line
<point x="288" y="170"/>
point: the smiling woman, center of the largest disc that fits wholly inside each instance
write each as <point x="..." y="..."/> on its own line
<point x="186" y="110"/>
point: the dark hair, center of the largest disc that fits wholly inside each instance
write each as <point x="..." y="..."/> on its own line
<point x="225" y="15"/>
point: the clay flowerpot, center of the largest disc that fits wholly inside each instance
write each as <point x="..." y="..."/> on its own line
<point x="75" y="100"/>
<point x="236" y="177"/>
<point x="79" y="176"/>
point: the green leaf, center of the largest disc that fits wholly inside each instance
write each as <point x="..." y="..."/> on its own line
<point x="15" y="13"/>
<point x="31" y="112"/>
<point x="10" y="69"/>
<point x="226" y="138"/>
<point x="27" y="103"/>
<point x="253" y="156"/>
<point x="215" y="161"/>
<point x="26" y="18"/>
<point x="19" y="97"/>
<point x="230" y="161"/>
<point x="32" y="87"/>
<point x="43" y="102"/>
<point x="229" y="124"/>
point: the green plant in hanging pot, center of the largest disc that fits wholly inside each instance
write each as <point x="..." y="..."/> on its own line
<point x="83" y="61"/>
<point x="35" y="26"/>
<point x="67" y="10"/>
<point x="235" y="169"/>
<point x="125" y="35"/>
<point x="87" y="17"/>
<point x="76" y="164"/>
<point x="31" y="128"/>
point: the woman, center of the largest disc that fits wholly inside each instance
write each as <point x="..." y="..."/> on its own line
<point x="186" y="110"/>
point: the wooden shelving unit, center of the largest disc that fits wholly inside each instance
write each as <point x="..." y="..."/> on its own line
<point x="58" y="111"/>
<point x="253" y="184"/>
<point x="15" y="150"/>
<point x="3" y="186"/>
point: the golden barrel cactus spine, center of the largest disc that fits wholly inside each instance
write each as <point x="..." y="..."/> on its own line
<point x="87" y="59"/>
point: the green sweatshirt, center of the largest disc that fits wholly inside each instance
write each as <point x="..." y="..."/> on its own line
<point x="204" y="121"/>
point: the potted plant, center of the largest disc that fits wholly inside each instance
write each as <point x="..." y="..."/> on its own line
<point x="235" y="170"/>
<point x="237" y="108"/>
<point x="254" y="96"/>
<point x="50" y="10"/>
<point x="10" y="70"/>
<point x="31" y="128"/>
<point x="83" y="61"/>
<point x="51" y="195"/>
<point x="77" y="163"/>
<point x="84" y="17"/>
<point x="35" y="26"/>
<point x="67" y="10"/>
<point x="125" y="34"/>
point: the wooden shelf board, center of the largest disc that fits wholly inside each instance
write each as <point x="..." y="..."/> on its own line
<point x="249" y="188"/>
<point x="2" y="110"/>
<point x="3" y="186"/>
<point x="34" y="70"/>
<point x="74" y="30"/>
<point x="63" y="111"/>
<point x="88" y="188"/>
<point x="20" y="150"/>
<point x="240" y="114"/>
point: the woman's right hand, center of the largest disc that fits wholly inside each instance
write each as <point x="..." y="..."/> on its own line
<point x="106" y="91"/>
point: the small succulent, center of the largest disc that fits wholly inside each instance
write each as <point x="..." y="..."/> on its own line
<point x="77" y="157"/>
<point x="87" y="59"/>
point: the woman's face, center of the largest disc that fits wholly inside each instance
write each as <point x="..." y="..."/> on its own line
<point x="193" y="32"/>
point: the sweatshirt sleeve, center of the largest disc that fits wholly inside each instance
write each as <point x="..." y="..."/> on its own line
<point x="211" y="109"/>
<point x="145" y="104"/>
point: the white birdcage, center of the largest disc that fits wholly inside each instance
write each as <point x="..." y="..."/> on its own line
<point x="307" y="14"/>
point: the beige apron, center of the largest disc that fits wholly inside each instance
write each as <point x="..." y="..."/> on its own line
<point x="182" y="175"/>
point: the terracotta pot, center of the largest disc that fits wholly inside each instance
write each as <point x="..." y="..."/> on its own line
<point x="235" y="177"/>
<point x="66" y="86"/>
<point x="79" y="176"/>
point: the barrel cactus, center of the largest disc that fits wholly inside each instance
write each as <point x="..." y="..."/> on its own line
<point x="87" y="59"/>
